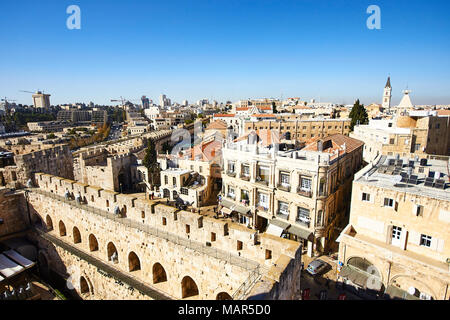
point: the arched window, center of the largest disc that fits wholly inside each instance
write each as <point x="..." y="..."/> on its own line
<point x="84" y="286"/>
<point x="223" y="296"/>
<point x="134" y="264"/>
<point x="93" y="243"/>
<point x="113" y="256"/>
<point x="62" y="229"/>
<point x="159" y="274"/>
<point x="76" y="235"/>
<point x="188" y="287"/>
<point x="49" y="223"/>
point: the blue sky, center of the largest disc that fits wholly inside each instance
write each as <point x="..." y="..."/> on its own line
<point x="225" y="50"/>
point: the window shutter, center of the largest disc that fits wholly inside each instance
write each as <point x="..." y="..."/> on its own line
<point x="396" y="206"/>
<point x="403" y="238"/>
<point x="434" y="243"/>
<point x="440" y="246"/>
<point x="414" y="237"/>
<point x="389" y="234"/>
<point x="414" y="209"/>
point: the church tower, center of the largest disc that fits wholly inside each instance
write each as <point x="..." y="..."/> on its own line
<point x="387" y="94"/>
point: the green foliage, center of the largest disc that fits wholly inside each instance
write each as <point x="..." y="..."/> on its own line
<point x="201" y="115"/>
<point x="51" y="136"/>
<point x="274" y="107"/>
<point x="166" y="147"/>
<point x="358" y="115"/>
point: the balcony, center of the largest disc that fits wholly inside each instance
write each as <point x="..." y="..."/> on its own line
<point x="305" y="193"/>
<point x="284" y="187"/>
<point x="262" y="208"/>
<point x="262" y="181"/>
<point x="305" y="221"/>
<point x="231" y="174"/>
<point x="231" y="196"/>
<point x="244" y="177"/>
<point x="283" y="215"/>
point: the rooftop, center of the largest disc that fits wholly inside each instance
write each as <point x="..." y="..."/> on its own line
<point x="413" y="175"/>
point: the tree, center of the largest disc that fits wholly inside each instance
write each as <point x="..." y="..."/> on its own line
<point x="274" y="107"/>
<point x="358" y="115"/>
<point x="150" y="161"/>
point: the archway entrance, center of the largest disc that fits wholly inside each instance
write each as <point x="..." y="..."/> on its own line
<point x="188" y="288"/>
<point x="134" y="264"/>
<point x="223" y="296"/>
<point x="159" y="274"/>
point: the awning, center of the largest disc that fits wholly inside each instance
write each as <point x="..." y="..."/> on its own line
<point x="274" y="230"/>
<point x="299" y="232"/>
<point x="242" y="210"/>
<point x="358" y="277"/>
<point x="396" y="293"/>
<point x="227" y="203"/>
<point x="225" y="210"/>
<point x="13" y="255"/>
<point x="280" y="223"/>
<point x="9" y="268"/>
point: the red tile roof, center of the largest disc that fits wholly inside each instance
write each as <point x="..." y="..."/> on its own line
<point x="221" y="115"/>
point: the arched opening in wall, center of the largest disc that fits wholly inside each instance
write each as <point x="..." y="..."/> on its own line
<point x="134" y="264"/>
<point x="49" y="223"/>
<point x="43" y="265"/>
<point x="62" y="229"/>
<point x="166" y="193"/>
<point x="113" y="256"/>
<point x="84" y="286"/>
<point x="223" y="296"/>
<point x="159" y="274"/>
<point x="76" y="235"/>
<point x="188" y="288"/>
<point x="93" y="243"/>
<point x="361" y="273"/>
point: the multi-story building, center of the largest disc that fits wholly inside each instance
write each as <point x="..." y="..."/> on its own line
<point x="48" y="126"/>
<point x="397" y="242"/>
<point x="421" y="132"/>
<point x="41" y="100"/>
<point x="300" y="194"/>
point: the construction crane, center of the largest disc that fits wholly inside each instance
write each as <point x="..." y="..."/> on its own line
<point x="37" y="91"/>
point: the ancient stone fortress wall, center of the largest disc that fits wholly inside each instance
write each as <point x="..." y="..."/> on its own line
<point x="12" y="213"/>
<point x="56" y="160"/>
<point x="178" y="254"/>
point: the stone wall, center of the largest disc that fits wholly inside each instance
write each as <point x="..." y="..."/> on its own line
<point x="13" y="212"/>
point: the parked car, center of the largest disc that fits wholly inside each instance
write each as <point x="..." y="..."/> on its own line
<point x="316" y="267"/>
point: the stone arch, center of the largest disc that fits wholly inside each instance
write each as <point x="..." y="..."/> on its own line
<point x="421" y="286"/>
<point x="223" y="296"/>
<point x="159" y="273"/>
<point x="93" y="243"/>
<point x="364" y="264"/>
<point x="188" y="287"/>
<point x="76" y="235"/>
<point x="49" y="223"/>
<point x="113" y="255"/>
<point x="62" y="228"/>
<point x="134" y="264"/>
<point x="84" y="286"/>
<point x="166" y="193"/>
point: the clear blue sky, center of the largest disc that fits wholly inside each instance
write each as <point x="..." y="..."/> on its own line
<point x="225" y="50"/>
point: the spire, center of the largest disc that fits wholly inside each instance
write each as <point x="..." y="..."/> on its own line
<point x="388" y="83"/>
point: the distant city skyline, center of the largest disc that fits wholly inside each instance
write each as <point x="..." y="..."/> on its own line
<point x="225" y="50"/>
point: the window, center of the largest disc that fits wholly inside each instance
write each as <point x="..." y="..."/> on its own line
<point x="418" y="210"/>
<point x="231" y="193"/>
<point x="268" y="254"/>
<point x="263" y="200"/>
<point x="164" y="221"/>
<point x="391" y="141"/>
<point x="305" y="184"/>
<point x="213" y="237"/>
<point x="246" y="170"/>
<point x="166" y="179"/>
<point x="188" y="228"/>
<point x="264" y="173"/>
<point x="389" y="202"/>
<point x="201" y="169"/>
<point x="417" y="146"/>
<point x="425" y="240"/>
<point x="184" y="191"/>
<point x="174" y="181"/>
<point x="396" y="234"/>
<point x="284" y="179"/>
<point x="283" y="209"/>
<point x="142" y="214"/>
<point x="239" y="245"/>
<point x="231" y="167"/>
<point x="365" y="196"/>
<point x="303" y="215"/>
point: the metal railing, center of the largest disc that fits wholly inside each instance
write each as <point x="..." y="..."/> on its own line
<point x="247" y="285"/>
<point x="194" y="245"/>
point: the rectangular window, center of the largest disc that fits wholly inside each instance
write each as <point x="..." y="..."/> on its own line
<point x="305" y="184"/>
<point x="418" y="210"/>
<point x="283" y="209"/>
<point x="264" y="173"/>
<point x="174" y="181"/>
<point x="246" y="170"/>
<point x="166" y="179"/>
<point x="263" y="200"/>
<point x="391" y="141"/>
<point x="425" y="240"/>
<point x="389" y="202"/>
<point x="231" y="167"/>
<point x="239" y="245"/>
<point x="268" y="254"/>
<point x="188" y="228"/>
<point x="164" y="221"/>
<point x="184" y="191"/>
<point x="213" y="237"/>
<point x="365" y="196"/>
<point x="303" y="215"/>
<point x="231" y="193"/>
<point x="284" y="179"/>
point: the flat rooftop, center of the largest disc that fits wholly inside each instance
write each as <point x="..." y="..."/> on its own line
<point x="409" y="175"/>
